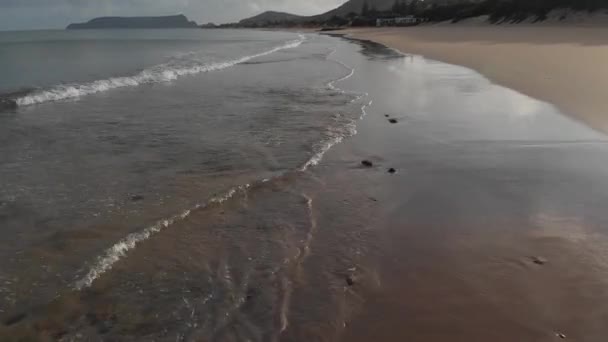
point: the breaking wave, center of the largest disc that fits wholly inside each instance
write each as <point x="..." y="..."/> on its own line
<point x="160" y="73"/>
<point x="119" y="250"/>
<point x="346" y="130"/>
<point x="333" y="136"/>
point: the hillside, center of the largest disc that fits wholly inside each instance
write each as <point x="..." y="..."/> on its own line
<point x="174" y="21"/>
<point x="345" y="10"/>
<point x="355" y="6"/>
<point x="270" y="18"/>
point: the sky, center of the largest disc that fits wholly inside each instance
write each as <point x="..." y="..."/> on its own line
<point x="56" y="14"/>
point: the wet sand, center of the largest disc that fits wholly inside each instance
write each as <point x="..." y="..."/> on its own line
<point x="490" y="229"/>
<point x="562" y="65"/>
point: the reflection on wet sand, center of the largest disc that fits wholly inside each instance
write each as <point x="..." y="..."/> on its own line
<point x="494" y="230"/>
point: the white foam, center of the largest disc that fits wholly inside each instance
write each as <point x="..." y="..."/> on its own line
<point x="119" y="250"/>
<point x="331" y="85"/>
<point x="161" y="73"/>
<point x="364" y="109"/>
<point x="349" y="130"/>
<point x="335" y="137"/>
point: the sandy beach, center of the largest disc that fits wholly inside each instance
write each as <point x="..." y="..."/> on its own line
<point x="473" y="242"/>
<point x="482" y="251"/>
<point x="557" y="64"/>
<point x="325" y="189"/>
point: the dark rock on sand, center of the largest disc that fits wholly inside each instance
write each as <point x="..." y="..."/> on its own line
<point x="386" y="115"/>
<point x="393" y="121"/>
<point x="392" y="170"/>
<point x="367" y="163"/>
<point x="8" y="104"/>
<point x="539" y="260"/>
<point x="14" y="319"/>
<point x="350" y="281"/>
<point x="136" y="198"/>
<point x="251" y="293"/>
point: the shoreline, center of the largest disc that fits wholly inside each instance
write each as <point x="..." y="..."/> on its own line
<point x="441" y="217"/>
<point x="558" y="65"/>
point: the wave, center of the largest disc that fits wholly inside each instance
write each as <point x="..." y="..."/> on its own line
<point x="160" y="73"/>
<point x="119" y="250"/>
<point x="334" y="135"/>
<point x="337" y="135"/>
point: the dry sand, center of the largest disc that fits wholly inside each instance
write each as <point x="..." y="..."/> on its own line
<point x="563" y="65"/>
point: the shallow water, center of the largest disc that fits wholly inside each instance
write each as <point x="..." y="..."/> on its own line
<point x="221" y="206"/>
<point x="86" y="178"/>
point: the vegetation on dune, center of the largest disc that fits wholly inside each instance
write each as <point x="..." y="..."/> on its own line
<point x="497" y="10"/>
<point x="431" y="10"/>
<point x="507" y="10"/>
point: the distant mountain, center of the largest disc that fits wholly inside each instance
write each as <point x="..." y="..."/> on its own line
<point x="174" y="21"/>
<point x="270" y="18"/>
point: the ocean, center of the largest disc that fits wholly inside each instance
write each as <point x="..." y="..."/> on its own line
<point x="207" y="185"/>
<point x="120" y="135"/>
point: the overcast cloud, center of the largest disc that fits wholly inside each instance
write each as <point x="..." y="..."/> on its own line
<point x="40" y="14"/>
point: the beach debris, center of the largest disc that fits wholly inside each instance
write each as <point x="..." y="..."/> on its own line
<point x="137" y="198"/>
<point x="350" y="281"/>
<point x="367" y="163"/>
<point x="560" y="335"/>
<point x="393" y="121"/>
<point x="392" y="170"/>
<point x="539" y="260"/>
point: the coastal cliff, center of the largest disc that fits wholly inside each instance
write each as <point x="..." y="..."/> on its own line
<point x="175" y="21"/>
